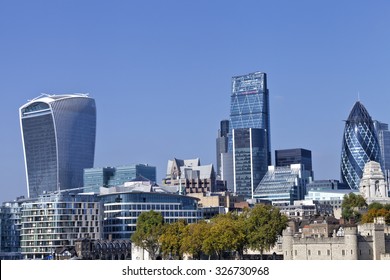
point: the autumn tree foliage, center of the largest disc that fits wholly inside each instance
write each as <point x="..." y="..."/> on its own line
<point x="376" y="210"/>
<point x="172" y="240"/>
<point x="233" y="234"/>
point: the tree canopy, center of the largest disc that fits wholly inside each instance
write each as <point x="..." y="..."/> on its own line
<point x="376" y="210"/>
<point x="148" y="231"/>
<point x="172" y="239"/>
<point x="350" y="205"/>
<point x="265" y="224"/>
<point x="232" y="233"/>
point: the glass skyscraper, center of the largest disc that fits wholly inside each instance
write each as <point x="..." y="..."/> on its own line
<point x="360" y="145"/>
<point x="250" y="159"/>
<point x="249" y="107"/>
<point x="58" y="133"/>
<point x="249" y="148"/>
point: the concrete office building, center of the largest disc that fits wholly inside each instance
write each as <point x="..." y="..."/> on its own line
<point x="227" y="170"/>
<point x="222" y="145"/>
<point x="58" y="133"/>
<point x="192" y="177"/>
<point x="333" y="198"/>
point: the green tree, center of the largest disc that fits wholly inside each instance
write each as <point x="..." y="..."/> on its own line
<point x="172" y="239"/>
<point x="241" y="230"/>
<point x="149" y="229"/>
<point x="351" y="204"/>
<point x="193" y="238"/>
<point x="265" y="224"/>
<point x="223" y="236"/>
<point x="353" y="200"/>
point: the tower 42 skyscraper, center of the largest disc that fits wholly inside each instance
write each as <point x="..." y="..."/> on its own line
<point x="58" y="133"/>
<point x="360" y="145"/>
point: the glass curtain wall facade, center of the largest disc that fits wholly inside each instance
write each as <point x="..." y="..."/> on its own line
<point x="360" y="145"/>
<point x="106" y="177"/>
<point x="121" y="211"/>
<point x="382" y="130"/>
<point x="58" y="134"/>
<point x="293" y="156"/>
<point x="250" y="158"/>
<point x="249" y="107"/>
<point x="283" y="185"/>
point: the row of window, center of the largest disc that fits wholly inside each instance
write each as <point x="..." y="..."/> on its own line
<point x="328" y="252"/>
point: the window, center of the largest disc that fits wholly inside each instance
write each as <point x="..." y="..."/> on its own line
<point x="343" y="252"/>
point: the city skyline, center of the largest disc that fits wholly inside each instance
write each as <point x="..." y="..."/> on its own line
<point x="155" y="79"/>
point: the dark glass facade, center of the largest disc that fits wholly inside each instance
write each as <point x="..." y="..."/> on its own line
<point x="382" y="130"/>
<point x="249" y="107"/>
<point x="58" y="134"/>
<point x="293" y="156"/>
<point x="94" y="178"/>
<point x="360" y="145"/>
<point x="250" y="157"/>
<point x="222" y="144"/>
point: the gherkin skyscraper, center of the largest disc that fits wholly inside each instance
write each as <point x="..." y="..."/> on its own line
<point x="360" y="145"/>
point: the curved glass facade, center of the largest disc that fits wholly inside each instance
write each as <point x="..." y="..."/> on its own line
<point x="360" y="145"/>
<point x="121" y="210"/>
<point x="58" y="134"/>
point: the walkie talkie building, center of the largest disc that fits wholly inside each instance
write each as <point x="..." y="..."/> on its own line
<point x="360" y="145"/>
<point x="58" y="134"/>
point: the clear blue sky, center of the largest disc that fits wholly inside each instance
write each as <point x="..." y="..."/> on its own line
<point x="160" y="72"/>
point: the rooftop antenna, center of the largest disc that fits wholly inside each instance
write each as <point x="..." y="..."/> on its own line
<point x="358" y="96"/>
